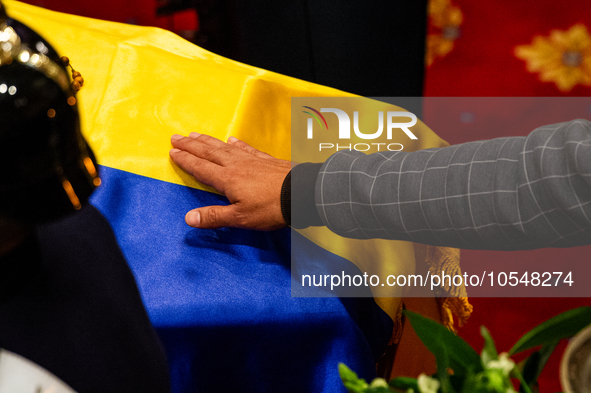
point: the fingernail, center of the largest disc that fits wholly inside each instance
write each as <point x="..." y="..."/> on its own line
<point x="194" y="135"/>
<point x="193" y="218"/>
<point x="174" y="150"/>
<point x="232" y="139"/>
<point x="176" y="137"/>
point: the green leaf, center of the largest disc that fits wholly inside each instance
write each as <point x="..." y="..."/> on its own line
<point x="489" y="351"/>
<point x="450" y="350"/>
<point x="536" y="361"/>
<point x="404" y="383"/>
<point x="561" y="326"/>
<point x="523" y="386"/>
<point x="350" y="380"/>
<point x="466" y="384"/>
<point x="442" y="361"/>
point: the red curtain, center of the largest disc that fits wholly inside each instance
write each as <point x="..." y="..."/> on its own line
<point x="482" y="49"/>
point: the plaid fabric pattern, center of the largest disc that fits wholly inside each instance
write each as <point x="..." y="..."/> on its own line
<point x="502" y="194"/>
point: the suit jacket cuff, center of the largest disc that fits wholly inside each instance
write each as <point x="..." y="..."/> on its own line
<point x="298" y="204"/>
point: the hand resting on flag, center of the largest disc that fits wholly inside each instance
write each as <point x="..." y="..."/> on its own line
<point x="249" y="178"/>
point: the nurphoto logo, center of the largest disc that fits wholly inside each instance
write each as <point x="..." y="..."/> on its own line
<point x="393" y="122"/>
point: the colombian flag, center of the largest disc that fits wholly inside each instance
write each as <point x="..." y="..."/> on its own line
<point x="220" y="299"/>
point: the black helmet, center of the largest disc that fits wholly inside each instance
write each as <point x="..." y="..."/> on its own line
<point x="46" y="167"/>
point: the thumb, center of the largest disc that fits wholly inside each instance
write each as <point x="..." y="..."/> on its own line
<point x="211" y="217"/>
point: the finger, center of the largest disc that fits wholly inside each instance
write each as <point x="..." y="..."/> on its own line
<point x="202" y="138"/>
<point x="247" y="148"/>
<point x="206" y="139"/>
<point x="216" y="154"/>
<point x="204" y="171"/>
<point x="212" y="217"/>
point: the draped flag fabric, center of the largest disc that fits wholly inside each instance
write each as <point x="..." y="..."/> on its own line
<point x="219" y="299"/>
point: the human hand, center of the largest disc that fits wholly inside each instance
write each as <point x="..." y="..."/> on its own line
<point x="249" y="178"/>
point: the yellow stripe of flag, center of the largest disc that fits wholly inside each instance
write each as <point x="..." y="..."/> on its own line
<point x="144" y="84"/>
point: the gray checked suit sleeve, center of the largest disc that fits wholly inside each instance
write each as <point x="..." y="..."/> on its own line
<point x="501" y="194"/>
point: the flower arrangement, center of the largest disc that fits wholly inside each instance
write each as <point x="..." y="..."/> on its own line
<point x="461" y="370"/>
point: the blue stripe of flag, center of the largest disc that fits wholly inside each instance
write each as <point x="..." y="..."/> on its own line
<point x="221" y="299"/>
